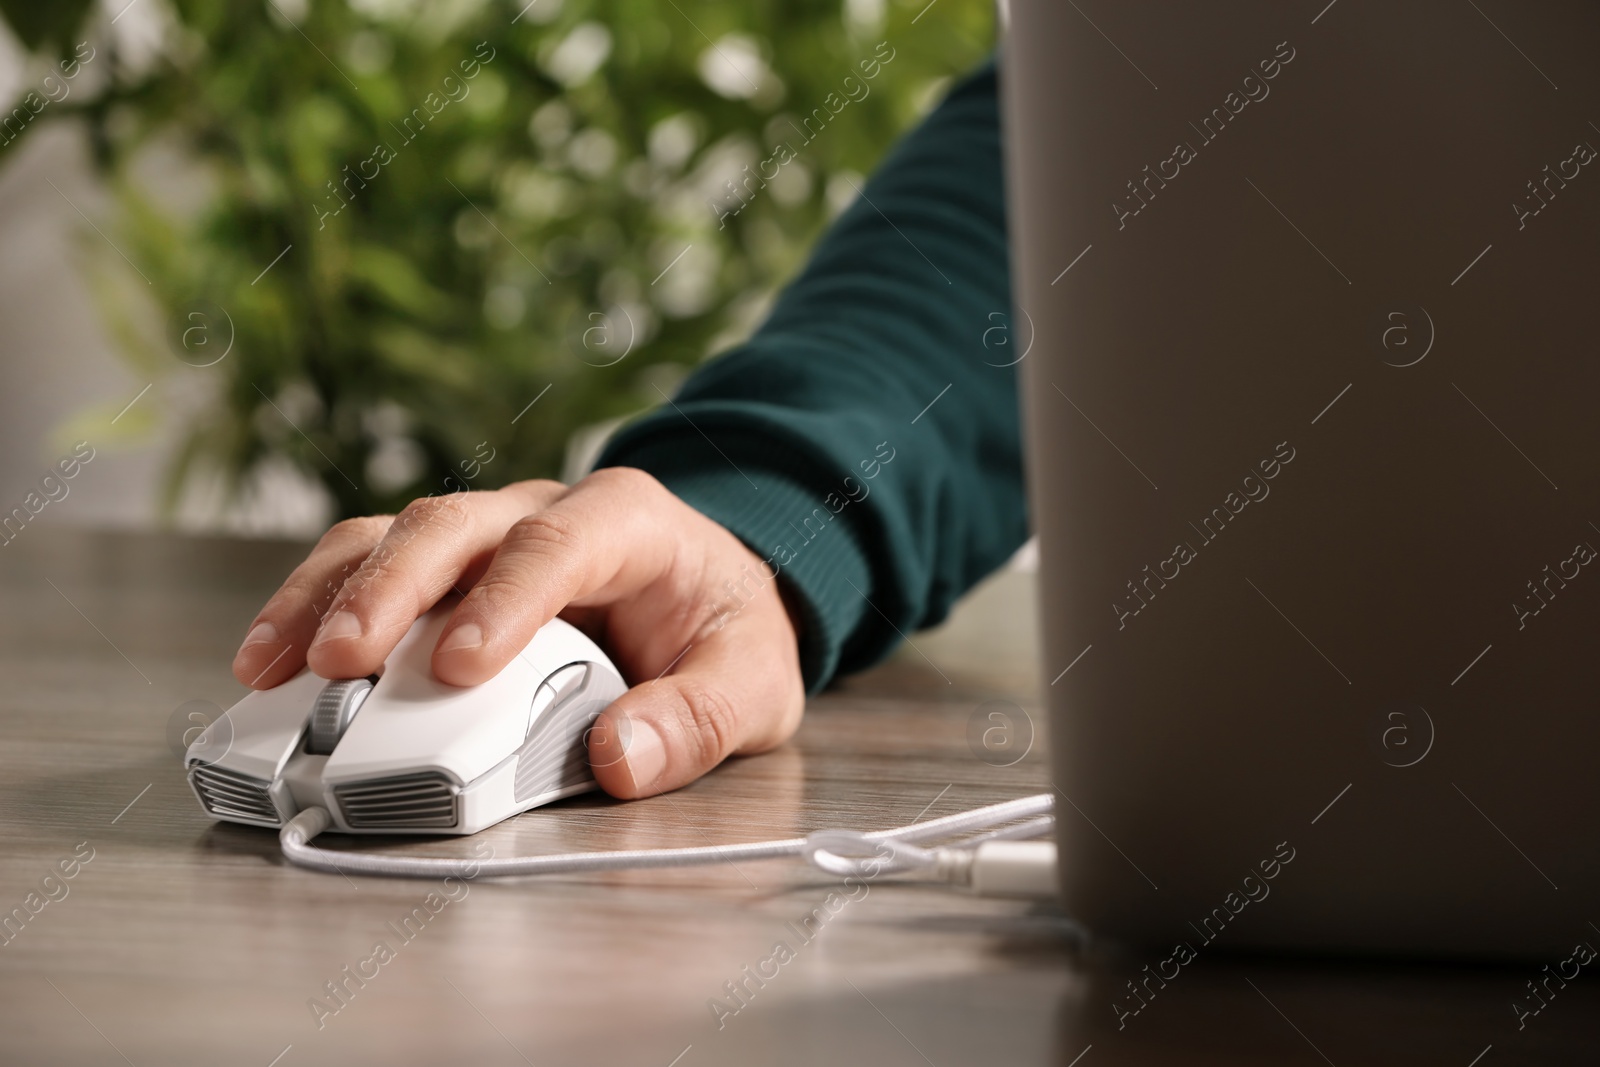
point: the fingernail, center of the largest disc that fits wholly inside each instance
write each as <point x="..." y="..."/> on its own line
<point x="467" y="635"/>
<point x="262" y="633"/>
<point x="339" y="626"/>
<point x="645" y="757"/>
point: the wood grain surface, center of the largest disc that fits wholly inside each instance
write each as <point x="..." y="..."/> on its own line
<point x="184" y="941"/>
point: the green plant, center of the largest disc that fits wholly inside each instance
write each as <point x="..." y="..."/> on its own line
<point x="507" y="241"/>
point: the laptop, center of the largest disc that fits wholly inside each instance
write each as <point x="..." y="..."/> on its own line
<point x="1315" y="466"/>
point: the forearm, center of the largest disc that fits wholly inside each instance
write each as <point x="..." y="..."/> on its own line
<point x="865" y="441"/>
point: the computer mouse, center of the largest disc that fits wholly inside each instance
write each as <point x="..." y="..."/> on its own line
<point x="401" y="752"/>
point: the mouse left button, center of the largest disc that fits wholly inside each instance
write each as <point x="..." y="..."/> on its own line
<point x="333" y="711"/>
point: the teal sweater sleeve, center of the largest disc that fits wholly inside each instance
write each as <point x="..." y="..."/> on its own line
<point x="864" y="441"/>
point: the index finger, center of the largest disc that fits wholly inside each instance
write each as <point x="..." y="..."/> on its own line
<point x="275" y="647"/>
<point x="606" y="538"/>
<point x="433" y="546"/>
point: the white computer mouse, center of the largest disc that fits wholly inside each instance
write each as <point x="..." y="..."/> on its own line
<point x="402" y="752"/>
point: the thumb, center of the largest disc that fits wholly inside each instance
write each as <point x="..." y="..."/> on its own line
<point x="666" y="733"/>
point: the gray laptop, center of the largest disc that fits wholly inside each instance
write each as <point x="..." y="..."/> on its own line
<point x="1315" y="465"/>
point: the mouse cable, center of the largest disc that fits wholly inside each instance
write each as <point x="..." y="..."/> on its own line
<point x="992" y="860"/>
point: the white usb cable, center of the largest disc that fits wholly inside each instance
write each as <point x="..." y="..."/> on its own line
<point x="992" y="860"/>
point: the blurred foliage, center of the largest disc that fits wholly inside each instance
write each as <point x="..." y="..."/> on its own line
<point x="43" y="27"/>
<point x="520" y="232"/>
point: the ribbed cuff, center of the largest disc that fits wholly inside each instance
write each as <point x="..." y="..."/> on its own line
<point x="785" y="517"/>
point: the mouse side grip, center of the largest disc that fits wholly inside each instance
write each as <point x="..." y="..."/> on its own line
<point x="555" y="757"/>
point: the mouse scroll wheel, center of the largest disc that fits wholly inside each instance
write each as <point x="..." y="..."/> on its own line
<point x="335" y="708"/>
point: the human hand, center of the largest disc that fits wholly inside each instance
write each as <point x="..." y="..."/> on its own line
<point x="617" y="555"/>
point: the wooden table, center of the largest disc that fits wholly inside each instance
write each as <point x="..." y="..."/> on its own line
<point x="186" y="941"/>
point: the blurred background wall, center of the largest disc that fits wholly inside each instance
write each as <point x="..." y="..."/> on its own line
<point x="56" y="357"/>
<point x="213" y="274"/>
